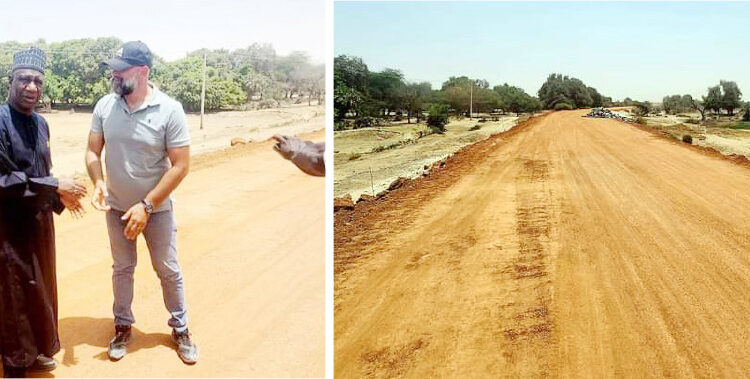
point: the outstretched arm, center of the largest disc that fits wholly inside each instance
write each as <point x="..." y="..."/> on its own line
<point x="307" y="156"/>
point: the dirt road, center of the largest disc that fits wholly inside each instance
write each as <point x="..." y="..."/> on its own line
<point x="69" y="131"/>
<point x="251" y="245"/>
<point x="568" y="247"/>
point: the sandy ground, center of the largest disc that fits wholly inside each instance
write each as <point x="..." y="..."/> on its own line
<point x="567" y="247"/>
<point x="371" y="172"/>
<point x="251" y="245"/>
<point x="714" y="135"/>
<point x="69" y="129"/>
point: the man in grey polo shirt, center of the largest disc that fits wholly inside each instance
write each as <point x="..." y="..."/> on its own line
<point x="148" y="154"/>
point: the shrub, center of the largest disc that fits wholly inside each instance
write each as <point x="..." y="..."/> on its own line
<point x="563" y="106"/>
<point x="640" y="120"/>
<point x="438" y="117"/>
<point x="692" y="121"/>
<point x="746" y="115"/>
<point x="366" y="122"/>
<point x="643" y="108"/>
<point x="475" y="127"/>
<point x="268" y="103"/>
<point x="687" y="138"/>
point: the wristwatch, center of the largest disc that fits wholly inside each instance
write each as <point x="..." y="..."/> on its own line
<point x="147" y="204"/>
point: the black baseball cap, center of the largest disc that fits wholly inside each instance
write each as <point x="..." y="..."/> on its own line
<point x="131" y="54"/>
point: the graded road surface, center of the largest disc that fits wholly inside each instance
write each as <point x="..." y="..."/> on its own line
<point x="251" y="235"/>
<point x="568" y="247"/>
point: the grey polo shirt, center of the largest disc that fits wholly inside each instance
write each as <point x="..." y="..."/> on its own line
<point x="136" y="145"/>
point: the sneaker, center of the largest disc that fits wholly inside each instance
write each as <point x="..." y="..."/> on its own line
<point x="118" y="347"/>
<point x="186" y="348"/>
<point x="43" y="363"/>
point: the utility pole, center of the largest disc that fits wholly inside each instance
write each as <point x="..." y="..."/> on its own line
<point x="471" y="99"/>
<point x="203" y="89"/>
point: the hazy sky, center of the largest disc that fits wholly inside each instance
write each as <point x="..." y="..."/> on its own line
<point x="640" y="50"/>
<point x="172" y="28"/>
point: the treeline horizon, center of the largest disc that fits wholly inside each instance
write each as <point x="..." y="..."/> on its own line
<point x="726" y="95"/>
<point x="73" y="76"/>
<point x="366" y="98"/>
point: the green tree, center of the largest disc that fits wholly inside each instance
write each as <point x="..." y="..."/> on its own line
<point x="261" y="57"/>
<point x="597" y="100"/>
<point x="563" y="89"/>
<point x="53" y="90"/>
<point x="464" y="94"/>
<point x="6" y="62"/>
<point x="77" y="61"/>
<point x="643" y="107"/>
<point x="714" y="99"/>
<point x="387" y="88"/>
<point x="351" y="71"/>
<point x="438" y="117"/>
<point x="254" y="83"/>
<point x="415" y="98"/>
<point x="350" y="82"/>
<point x="457" y="97"/>
<point x="515" y="99"/>
<point x="183" y="80"/>
<point x="732" y="97"/>
<point x="313" y="82"/>
<point x="695" y="104"/>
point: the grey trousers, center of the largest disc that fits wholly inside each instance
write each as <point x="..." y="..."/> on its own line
<point x="161" y="237"/>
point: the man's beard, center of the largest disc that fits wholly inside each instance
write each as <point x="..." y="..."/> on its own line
<point x="124" y="87"/>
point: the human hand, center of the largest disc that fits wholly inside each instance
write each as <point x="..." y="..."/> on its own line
<point x="71" y="187"/>
<point x="288" y="146"/>
<point x="99" y="198"/>
<point x="137" y="218"/>
<point x="73" y="205"/>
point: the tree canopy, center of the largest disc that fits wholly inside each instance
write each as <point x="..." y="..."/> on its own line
<point x="361" y="93"/>
<point x="561" y="89"/>
<point x="74" y="76"/>
<point x="725" y="95"/>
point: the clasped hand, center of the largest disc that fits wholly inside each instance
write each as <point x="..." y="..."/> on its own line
<point x="71" y="190"/>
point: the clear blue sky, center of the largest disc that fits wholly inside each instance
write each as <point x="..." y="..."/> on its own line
<point x="172" y="28"/>
<point x="640" y="50"/>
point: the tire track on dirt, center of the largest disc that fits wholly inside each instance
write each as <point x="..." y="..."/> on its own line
<point x="571" y="247"/>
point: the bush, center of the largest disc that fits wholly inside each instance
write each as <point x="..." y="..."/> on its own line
<point x="563" y="106"/>
<point x="366" y="122"/>
<point x="475" y="127"/>
<point x="268" y="103"/>
<point x="438" y="117"/>
<point x="687" y="138"/>
<point x="746" y="115"/>
<point x="643" y="108"/>
<point x="343" y="125"/>
<point x="692" y="121"/>
<point x="640" y="120"/>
